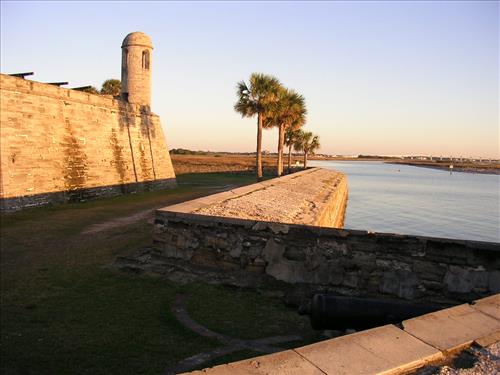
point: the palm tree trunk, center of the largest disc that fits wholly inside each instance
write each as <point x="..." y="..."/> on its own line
<point x="305" y="159"/>
<point x="259" y="147"/>
<point x="289" y="158"/>
<point x="281" y="140"/>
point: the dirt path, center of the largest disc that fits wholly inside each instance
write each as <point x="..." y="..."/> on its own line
<point x="142" y="215"/>
<point x="119" y="222"/>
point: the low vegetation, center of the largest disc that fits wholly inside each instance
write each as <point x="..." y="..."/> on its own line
<point x="184" y="163"/>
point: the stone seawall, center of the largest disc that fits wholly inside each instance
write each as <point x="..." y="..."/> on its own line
<point x="349" y="262"/>
<point x="59" y="145"/>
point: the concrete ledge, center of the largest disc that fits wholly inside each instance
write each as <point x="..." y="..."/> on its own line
<point x="287" y="362"/>
<point x="382" y="350"/>
<point x="489" y="306"/>
<point x="452" y="329"/>
<point x="488" y="340"/>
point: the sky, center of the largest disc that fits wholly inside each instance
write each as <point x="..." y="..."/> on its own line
<point x="386" y="78"/>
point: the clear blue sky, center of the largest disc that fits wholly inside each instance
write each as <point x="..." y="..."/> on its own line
<point x="378" y="77"/>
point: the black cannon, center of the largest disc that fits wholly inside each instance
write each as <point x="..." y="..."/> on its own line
<point x="328" y="311"/>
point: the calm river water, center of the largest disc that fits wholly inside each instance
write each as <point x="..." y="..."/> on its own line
<point x="415" y="200"/>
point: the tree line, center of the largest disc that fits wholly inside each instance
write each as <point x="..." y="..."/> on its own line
<point x="276" y="106"/>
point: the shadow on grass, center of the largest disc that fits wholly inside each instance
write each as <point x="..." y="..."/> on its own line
<point x="64" y="312"/>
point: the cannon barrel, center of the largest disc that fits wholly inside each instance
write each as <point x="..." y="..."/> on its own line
<point x="328" y="311"/>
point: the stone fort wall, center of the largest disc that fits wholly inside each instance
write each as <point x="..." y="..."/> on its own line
<point x="60" y="145"/>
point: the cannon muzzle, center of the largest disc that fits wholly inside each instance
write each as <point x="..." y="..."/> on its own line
<point x="328" y="311"/>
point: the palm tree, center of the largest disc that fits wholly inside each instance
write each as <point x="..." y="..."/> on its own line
<point x="289" y="112"/>
<point x="291" y="137"/>
<point x="257" y="99"/>
<point x="111" y="87"/>
<point x="308" y="143"/>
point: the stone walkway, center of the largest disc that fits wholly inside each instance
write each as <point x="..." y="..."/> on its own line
<point x="228" y="344"/>
<point x="297" y="198"/>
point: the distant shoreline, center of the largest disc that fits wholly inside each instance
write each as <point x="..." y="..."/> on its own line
<point x="489" y="168"/>
<point x="222" y="162"/>
<point x="473" y="168"/>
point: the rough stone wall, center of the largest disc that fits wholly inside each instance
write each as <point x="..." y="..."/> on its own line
<point x="350" y="262"/>
<point x="333" y="214"/>
<point x="62" y="145"/>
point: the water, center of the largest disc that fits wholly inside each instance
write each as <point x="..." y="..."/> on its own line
<point x="414" y="200"/>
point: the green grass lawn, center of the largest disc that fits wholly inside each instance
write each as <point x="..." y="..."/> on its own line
<point x="65" y="311"/>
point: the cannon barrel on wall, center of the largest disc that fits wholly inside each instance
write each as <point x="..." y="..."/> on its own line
<point x="328" y="311"/>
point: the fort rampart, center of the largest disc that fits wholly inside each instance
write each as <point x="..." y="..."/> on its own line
<point x="196" y="241"/>
<point x="60" y="145"/>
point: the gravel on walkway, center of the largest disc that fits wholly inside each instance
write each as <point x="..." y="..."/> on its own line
<point x="295" y="201"/>
<point x="475" y="360"/>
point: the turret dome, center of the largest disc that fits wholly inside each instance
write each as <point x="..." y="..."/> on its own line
<point x="137" y="38"/>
